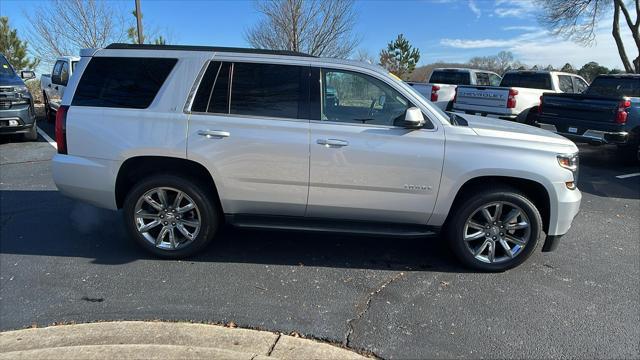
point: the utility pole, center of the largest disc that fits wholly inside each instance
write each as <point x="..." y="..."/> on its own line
<point x="139" y="21"/>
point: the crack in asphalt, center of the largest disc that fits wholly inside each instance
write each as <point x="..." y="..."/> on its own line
<point x="364" y="305"/>
<point x="273" y="346"/>
<point x="24" y="162"/>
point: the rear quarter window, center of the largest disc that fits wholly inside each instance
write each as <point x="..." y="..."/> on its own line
<point x="527" y="80"/>
<point x="122" y="82"/>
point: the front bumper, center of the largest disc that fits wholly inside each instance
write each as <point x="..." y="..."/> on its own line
<point x="17" y="119"/>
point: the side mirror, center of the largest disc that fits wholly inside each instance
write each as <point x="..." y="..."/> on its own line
<point x="413" y="118"/>
<point x="27" y="74"/>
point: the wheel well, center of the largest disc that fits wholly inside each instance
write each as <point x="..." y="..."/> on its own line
<point x="534" y="191"/>
<point x="137" y="168"/>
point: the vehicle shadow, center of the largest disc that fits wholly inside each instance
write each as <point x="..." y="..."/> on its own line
<point x="45" y="223"/>
<point x="599" y="166"/>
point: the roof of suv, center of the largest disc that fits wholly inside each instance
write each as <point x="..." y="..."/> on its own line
<point x="123" y="46"/>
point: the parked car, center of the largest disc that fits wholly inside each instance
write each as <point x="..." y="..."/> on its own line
<point x="53" y="85"/>
<point x="518" y="96"/>
<point x="185" y="138"/>
<point x="607" y="112"/>
<point x="17" y="115"/>
<point x="441" y="88"/>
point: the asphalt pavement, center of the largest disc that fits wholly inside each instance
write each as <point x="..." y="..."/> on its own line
<point x="65" y="261"/>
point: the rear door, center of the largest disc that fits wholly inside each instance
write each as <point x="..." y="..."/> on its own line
<point x="363" y="166"/>
<point x="249" y="125"/>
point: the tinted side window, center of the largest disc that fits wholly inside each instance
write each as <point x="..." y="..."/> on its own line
<point x="361" y="99"/>
<point x="565" y="83"/>
<point x="122" y="82"/>
<point x="64" y="74"/>
<point x="266" y="90"/>
<point x="482" y="79"/>
<point x="213" y="92"/>
<point x="494" y="80"/>
<point x="55" y="75"/>
<point x="579" y="85"/>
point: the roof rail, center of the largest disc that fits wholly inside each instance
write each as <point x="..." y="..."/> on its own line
<point x="205" y="48"/>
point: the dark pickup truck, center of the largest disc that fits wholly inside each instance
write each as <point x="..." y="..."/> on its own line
<point x="607" y="112"/>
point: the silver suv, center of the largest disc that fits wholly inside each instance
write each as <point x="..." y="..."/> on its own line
<point x="185" y="138"/>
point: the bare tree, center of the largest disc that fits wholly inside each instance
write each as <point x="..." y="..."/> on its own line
<point x="364" y="56"/>
<point x="578" y="19"/>
<point x="316" y="27"/>
<point x="63" y="27"/>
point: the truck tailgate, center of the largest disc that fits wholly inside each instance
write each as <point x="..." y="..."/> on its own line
<point x="481" y="97"/>
<point x="571" y="108"/>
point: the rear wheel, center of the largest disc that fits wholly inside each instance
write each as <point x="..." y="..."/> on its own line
<point x="494" y="230"/>
<point x="170" y="216"/>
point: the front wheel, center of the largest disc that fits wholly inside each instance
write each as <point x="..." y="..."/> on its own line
<point x="32" y="134"/>
<point x="170" y="216"/>
<point x="494" y="230"/>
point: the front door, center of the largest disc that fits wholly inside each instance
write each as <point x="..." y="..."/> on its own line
<point x="249" y="127"/>
<point x="363" y="166"/>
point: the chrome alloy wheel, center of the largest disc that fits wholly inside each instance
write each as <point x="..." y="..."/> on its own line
<point x="168" y="218"/>
<point x="497" y="232"/>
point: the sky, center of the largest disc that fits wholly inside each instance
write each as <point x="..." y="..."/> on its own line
<point x="443" y="30"/>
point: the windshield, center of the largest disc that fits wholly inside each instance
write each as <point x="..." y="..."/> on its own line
<point x="610" y="86"/>
<point x="450" y="77"/>
<point x="5" y="68"/>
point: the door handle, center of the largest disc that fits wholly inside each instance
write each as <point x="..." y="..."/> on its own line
<point x="210" y="134"/>
<point x="332" y="142"/>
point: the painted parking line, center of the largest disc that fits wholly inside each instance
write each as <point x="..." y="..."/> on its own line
<point x="628" y="176"/>
<point x="47" y="137"/>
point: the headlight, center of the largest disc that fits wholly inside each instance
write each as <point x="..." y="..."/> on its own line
<point x="570" y="162"/>
<point x="22" y="95"/>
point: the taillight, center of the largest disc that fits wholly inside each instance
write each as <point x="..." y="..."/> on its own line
<point x="540" y="106"/>
<point x="61" y="129"/>
<point x="621" y="114"/>
<point x="511" y="100"/>
<point x="434" y="92"/>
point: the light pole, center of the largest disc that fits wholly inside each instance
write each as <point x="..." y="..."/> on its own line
<point x="139" y="21"/>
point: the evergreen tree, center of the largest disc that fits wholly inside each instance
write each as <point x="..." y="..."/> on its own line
<point x="568" y="68"/>
<point x="14" y="49"/>
<point x="400" y="58"/>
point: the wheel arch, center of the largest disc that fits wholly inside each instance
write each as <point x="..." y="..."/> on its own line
<point x="136" y="168"/>
<point x="533" y="190"/>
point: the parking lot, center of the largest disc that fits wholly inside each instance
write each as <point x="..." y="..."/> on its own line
<point x="64" y="261"/>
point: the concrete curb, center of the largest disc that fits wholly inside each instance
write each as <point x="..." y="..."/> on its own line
<point x="155" y="340"/>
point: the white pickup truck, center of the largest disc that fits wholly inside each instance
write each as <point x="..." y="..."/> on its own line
<point x="518" y="96"/>
<point x="53" y="84"/>
<point x="441" y="88"/>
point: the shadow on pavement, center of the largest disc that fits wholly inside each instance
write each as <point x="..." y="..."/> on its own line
<point x="599" y="166"/>
<point x="47" y="224"/>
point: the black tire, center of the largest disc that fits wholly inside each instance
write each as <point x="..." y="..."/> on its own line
<point x="198" y="192"/>
<point x="32" y="135"/>
<point x="454" y="229"/>
<point x="48" y="115"/>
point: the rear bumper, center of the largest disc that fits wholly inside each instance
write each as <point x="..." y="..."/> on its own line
<point x="591" y="136"/>
<point x="87" y="179"/>
<point x="16" y="120"/>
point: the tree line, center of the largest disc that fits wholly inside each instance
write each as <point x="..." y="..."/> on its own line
<point x="317" y="27"/>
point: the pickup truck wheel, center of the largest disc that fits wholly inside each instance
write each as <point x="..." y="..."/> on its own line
<point x="495" y="230"/>
<point x="32" y="135"/>
<point x="170" y="216"/>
